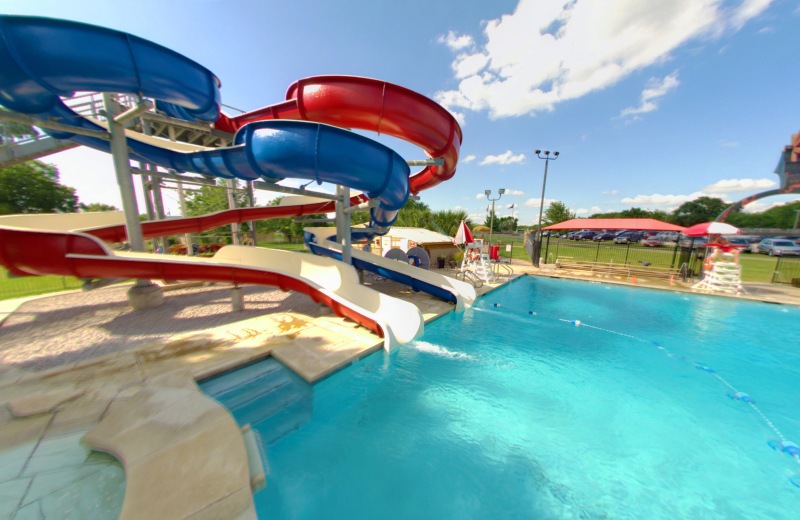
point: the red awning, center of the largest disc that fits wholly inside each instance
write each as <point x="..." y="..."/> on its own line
<point x="643" y="224"/>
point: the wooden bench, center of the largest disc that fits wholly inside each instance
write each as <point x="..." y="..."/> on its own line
<point x="620" y="269"/>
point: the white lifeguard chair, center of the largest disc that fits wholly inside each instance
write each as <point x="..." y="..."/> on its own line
<point x="723" y="273"/>
<point x="478" y="262"/>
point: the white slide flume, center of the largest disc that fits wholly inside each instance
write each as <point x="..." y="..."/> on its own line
<point x="462" y="294"/>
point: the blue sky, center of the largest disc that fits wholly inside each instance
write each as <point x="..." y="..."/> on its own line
<point x="650" y="103"/>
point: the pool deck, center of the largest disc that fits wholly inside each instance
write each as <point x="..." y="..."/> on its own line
<point x="110" y="387"/>
<point x="183" y="454"/>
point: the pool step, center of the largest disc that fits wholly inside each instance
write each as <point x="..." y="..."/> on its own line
<point x="266" y="395"/>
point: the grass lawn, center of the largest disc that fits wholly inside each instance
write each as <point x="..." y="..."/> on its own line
<point x="755" y="268"/>
<point x="33" y="285"/>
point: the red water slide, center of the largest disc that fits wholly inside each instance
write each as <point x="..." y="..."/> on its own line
<point x="373" y="105"/>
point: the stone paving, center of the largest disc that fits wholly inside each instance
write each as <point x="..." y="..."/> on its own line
<point x="50" y="331"/>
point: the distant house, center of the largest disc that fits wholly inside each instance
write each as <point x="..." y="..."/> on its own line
<point x="434" y="243"/>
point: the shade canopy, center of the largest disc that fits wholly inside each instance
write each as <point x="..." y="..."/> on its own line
<point x="711" y="228"/>
<point x="463" y="236"/>
<point x="480" y="229"/>
<point x="643" y="224"/>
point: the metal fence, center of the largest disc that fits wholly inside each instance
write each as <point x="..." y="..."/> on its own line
<point x="787" y="271"/>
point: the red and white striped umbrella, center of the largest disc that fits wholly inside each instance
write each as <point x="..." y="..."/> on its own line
<point x="463" y="236"/>
<point x="711" y="228"/>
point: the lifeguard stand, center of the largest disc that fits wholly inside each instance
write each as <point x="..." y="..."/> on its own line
<point x="724" y="273"/>
<point x="478" y="262"/>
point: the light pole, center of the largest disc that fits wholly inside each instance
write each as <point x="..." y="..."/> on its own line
<point x="489" y="192"/>
<point x="537" y="245"/>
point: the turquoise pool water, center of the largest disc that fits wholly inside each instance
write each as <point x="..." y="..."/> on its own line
<point x="497" y="413"/>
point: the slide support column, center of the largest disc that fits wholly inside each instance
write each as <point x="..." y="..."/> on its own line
<point x="343" y="222"/>
<point x="231" y="185"/>
<point x="143" y="294"/>
<point x="251" y="199"/>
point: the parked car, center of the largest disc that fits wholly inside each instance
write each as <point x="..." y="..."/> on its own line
<point x="600" y="237"/>
<point x="648" y="234"/>
<point x="653" y="241"/>
<point x="585" y="235"/>
<point x="627" y="237"/>
<point x="563" y="235"/>
<point x="695" y="241"/>
<point x="778" y="247"/>
<point x="740" y="242"/>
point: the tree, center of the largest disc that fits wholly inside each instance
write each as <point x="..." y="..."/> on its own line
<point x="701" y="209"/>
<point x="33" y="187"/>
<point x="97" y="207"/>
<point x="557" y="212"/>
<point x="779" y="217"/>
<point x="448" y="220"/>
<point x="209" y="199"/>
<point x="10" y="129"/>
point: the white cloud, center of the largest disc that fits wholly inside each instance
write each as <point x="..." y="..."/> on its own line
<point x="480" y="196"/>
<point x="549" y="51"/>
<point x="612" y="192"/>
<point x="661" y="200"/>
<point x="468" y="159"/>
<point x="477" y="216"/>
<point x="581" y="211"/>
<point x="656" y="89"/>
<point x="505" y="158"/>
<point x="515" y="192"/>
<point x="459" y="208"/>
<point x="766" y="30"/>
<point x="456" y="42"/>
<point x="535" y="203"/>
<point x="596" y="209"/>
<point x="738" y="185"/>
<point x="464" y="198"/>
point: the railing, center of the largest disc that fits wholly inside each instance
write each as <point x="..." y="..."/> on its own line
<point x="787" y="271"/>
<point x="469" y="277"/>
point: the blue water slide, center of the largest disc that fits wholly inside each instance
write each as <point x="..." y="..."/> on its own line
<point x="416" y="284"/>
<point x="42" y="59"/>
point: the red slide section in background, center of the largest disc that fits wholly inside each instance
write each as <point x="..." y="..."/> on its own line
<point x="51" y="256"/>
<point x="373" y="105"/>
<point x="177" y="226"/>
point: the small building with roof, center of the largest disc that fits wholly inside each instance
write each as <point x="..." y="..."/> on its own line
<point x="433" y="242"/>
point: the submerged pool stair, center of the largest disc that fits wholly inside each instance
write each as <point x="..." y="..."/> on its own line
<point x="266" y="395"/>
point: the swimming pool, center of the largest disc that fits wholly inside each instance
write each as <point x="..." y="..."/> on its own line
<point x="498" y="413"/>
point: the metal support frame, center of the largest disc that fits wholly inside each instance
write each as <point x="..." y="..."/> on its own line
<point x="271" y="186"/>
<point x="427" y="162"/>
<point x="25" y="119"/>
<point x="122" y="166"/>
<point x="366" y="206"/>
<point x="175" y="177"/>
<point x="134" y="112"/>
<point x="343" y="222"/>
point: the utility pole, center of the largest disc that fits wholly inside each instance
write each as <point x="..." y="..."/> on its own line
<point x="796" y="219"/>
<point x="537" y="244"/>
<point x="491" y="227"/>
